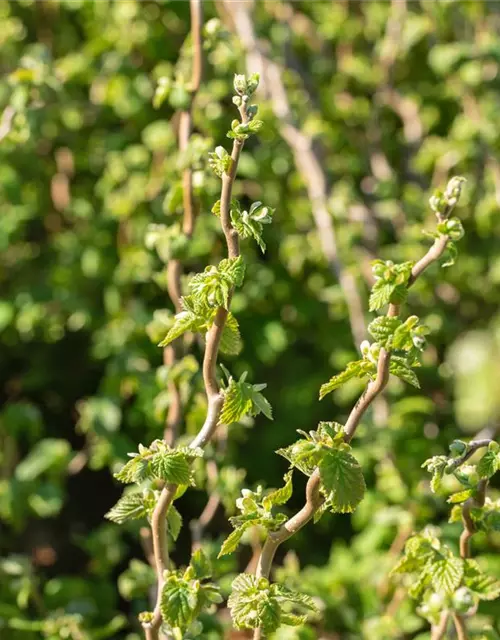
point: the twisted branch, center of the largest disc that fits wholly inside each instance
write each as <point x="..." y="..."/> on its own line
<point x="173" y="351"/>
<point x="214" y="396"/>
<point x="306" y="157"/>
<point x="374" y="389"/>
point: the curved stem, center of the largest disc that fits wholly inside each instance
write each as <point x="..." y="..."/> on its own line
<point x="469" y="530"/>
<point x="472" y="447"/>
<point x="460" y="627"/>
<point x="172" y="351"/>
<point x="214" y="397"/>
<point x="374" y="388"/>
<point x="439" y="630"/>
<point x="469" y="527"/>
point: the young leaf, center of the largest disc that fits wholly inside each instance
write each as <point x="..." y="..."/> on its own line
<point x="342" y="480"/>
<point x="233" y="269"/>
<point x="231" y="543"/>
<point x="200" y="565"/>
<point x="235" y="404"/>
<point x="483" y="586"/>
<point x="358" y="369"/>
<point x="230" y="342"/>
<point x="399" y="367"/>
<point x="280" y="496"/>
<point x="134" y="470"/>
<point x="293" y="597"/>
<point x="436" y="465"/>
<point x="390" y="284"/>
<point x="488" y="465"/>
<point x="174" y="522"/>
<point x="258" y="403"/>
<point x="380" y="295"/>
<point x="129" y="507"/>
<point x="446" y="573"/>
<point x="241" y="398"/>
<point x="178" y="601"/>
<point x="383" y="328"/>
<point x="252" y="604"/>
<point x="269" y="614"/>
<point x="184" y="321"/>
<point x="461" y="496"/>
<point x="171" y="467"/>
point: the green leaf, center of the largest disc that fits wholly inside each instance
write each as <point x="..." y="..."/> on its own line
<point x="399" y="367"/>
<point x="134" y="470"/>
<point x="231" y="543"/>
<point x="446" y="574"/>
<point x="235" y="404"/>
<point x="358" y="369"/>
<point x="408" y="564"/>
<point x="184" y="321"/>
<point x="461" y="496"/>
<point x="252" y="604"/>
<point x="129" y="507"/>
<point x="178" y="602"/>
<point x="303" y="455"/>
<point x="200" y="565"/>
<point x="242" y="601"/>
<point x="293" y="597"/>
<point x="390" y="284"/>
<point x="488" y="465"/>
<point x="342" y="480"/>
<point x="269" y="614"/>
<point x="230" y="342"/>
<point x="241" y="398"/>
<point x="292" y="619"/>
<point x="219" y="161"/>
<point x="171" y="467"/>
<point x="174" y="522"/>
<point x="380" y="295"/>
<point x="233" y="269"/>
<point x="383" y="328"/>
<point x="259" y="404"/>
<point x="280" y="496"/>
<point x="485" y="587"/>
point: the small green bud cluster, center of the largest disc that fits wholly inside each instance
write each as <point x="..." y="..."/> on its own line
<point x="443" y="203"/>
<point x="369" y="351"/>
<point x="245" y="86"/>
<point x="452" y="227"/>
<point x="249" y="224"/>
<point x="219" y="161"/>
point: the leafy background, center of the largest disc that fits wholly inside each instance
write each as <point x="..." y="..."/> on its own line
<point x="395" y="98"/>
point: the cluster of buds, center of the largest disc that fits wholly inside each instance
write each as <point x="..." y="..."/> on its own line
<point x="246" y="86"/>
<point x="369" y="351"/>
<point x="443" y="203"/>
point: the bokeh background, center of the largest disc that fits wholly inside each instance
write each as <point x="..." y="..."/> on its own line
<point x="367" y="107"/>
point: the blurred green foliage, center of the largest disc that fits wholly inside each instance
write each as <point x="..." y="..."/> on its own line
<point x="399" y="97"/>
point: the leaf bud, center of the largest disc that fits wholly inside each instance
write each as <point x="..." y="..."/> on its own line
<point x="240" y="84"/>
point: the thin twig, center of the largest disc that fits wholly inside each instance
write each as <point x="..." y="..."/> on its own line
<point x="477" y="500"/>
<point x="173" y="351"/>
<point x="215" y="398"/>
<point x="460" y="627"/>
<point x="439" y="631"/>
<point x="313" y="496"/>
<point x="306" y="157"/>
<point x="199" y="525"/>
<point x="472" y="447"/>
